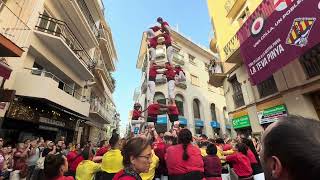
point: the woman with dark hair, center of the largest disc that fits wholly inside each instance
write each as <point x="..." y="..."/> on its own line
<point x="212" y="164"/>
<point x="55" y="166"/>
<point x="87" y="168"/>
<point x="240" y="162"/>
<point x="184" y="161"/>
<point x="112" y="160"/>
<point x="137" y="157"/>
<point x="254" y="159"/>
<point x="291" y="149"/>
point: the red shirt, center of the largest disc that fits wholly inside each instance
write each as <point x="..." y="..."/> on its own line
<point x="124" y="177"/>
<point x="170" y="74"/>
<point x="178" y="70"/>
<point x="136" y="114"/>
<point x="153" y="109"/>
<point x="74" y="159"/>
<point x="251" y="157"/>
<point x="173" y="110"/>
<point x="227" y="147"/>
<point x="63" y="178"/>
<point x="155" y="28"/>
<point x="153" y="72"/>
<point x="103" y="150"/>
<point x="177" y="166"/>
<point x="241" y="164"/>
<point x="212" y="166"/>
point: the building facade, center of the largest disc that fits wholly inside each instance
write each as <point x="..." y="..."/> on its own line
<point x="293" y="89"/>
<point x="201" y="105"/>
<point x="62" y="81"/>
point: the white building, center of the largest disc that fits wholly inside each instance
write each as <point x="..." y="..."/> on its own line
<point x="201" y="106"/>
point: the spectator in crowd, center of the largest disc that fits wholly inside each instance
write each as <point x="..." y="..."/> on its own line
<point x="212" y="164"/>
<point x="152" y="170"/>
<point x="50" y="149"/>
<point x="8" y="161"/>
<point x="87" y="168"/>
<point x="257" y="144"/>
<point x="112" y="160"/>
<point x="20" y="168"/>
<point x="74" y="158"/>
<point x="290" y="149"/>
<point x="240" y="162"/>
<point x="33" y="155"/>
<point x="203" y="148"/>
<point x="137" y="158"/>
<point x="184" y="161"/>
<point x="55" y="166"/>
<point x="104" y="147"/>
<point x="160" y="151"/>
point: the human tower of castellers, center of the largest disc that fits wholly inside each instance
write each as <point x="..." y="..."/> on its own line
<point x="288" y="150"/>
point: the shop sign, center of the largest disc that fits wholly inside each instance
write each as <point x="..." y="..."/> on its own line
<point x="215" y="124"/>
<point x="183" y="121"/>
<point x="162" y="119"/>
<point x="198" y="123"/>
<point x="51" y="122"/>
<point x="272" y="114"/>
<point x="276" y="33"/>
<point x="241" y="122"/>
<point x="48" y="128"/>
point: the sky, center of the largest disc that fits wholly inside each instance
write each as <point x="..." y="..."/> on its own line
<point x="129" y="18"/>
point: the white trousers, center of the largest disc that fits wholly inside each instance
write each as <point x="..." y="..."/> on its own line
<point x="151" y="90"/>
<point x="152" y="52"/>
<point x="170" y="54"/>
<point x="180" y="78"/>
<point x="171" y="88"/>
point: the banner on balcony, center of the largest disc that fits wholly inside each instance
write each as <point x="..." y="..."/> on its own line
<point x="277" y="32"/>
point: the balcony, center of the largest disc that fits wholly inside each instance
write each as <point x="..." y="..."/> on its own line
<point x="45" y="85"/>
<point x="219" y="71"/>
<point x="238" y="99"/>
<point x="213" y="45"/>
<point x="57" y="35"/>
<point x="182" y="85"/>
<point x="84" y="27"/>
<point x="14" y="33"/>
<point x="178" y="59"/>
<point x="144" y="87"/>
<point x="232" y="51"/>
<point x="160" y="79"/>
<point x="310" y="62"/>
<point x="101" y="69"/>
<point x="107" y="48"/>
<point x="100" y="112"/>
<point x="233" y="7"/>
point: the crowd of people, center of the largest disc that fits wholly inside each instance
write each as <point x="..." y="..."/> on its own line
<point x="289" y="151"/>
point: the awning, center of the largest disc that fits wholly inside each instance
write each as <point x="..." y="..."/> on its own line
<point x="5" y="71"/>
<point x="199" y="123"/>
<point x="162" y="119"/>
<point x="215" y="124"/>
<point x="183" y="121"/>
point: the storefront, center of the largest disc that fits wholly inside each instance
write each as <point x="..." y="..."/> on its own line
<point x="242" y="124"/>
<point x="198" y="123"/>
<point x="27" y="117"/>
<point x="215" y="128"/>
<point x="271" y="111"/>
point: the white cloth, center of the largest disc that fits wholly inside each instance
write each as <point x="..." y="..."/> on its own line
<point x="151" y="90"/>
<point x="180" y="77"/>
<point x="15" y="175"/>
<point x="259" y="176"/>
<point x="152" y="52"/>
<point x="170" y="52"/>
<point x="171" y="88"/>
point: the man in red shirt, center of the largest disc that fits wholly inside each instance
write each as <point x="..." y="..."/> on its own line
<point x="154" y="111"/>
<point x="170" y="74"/>
<point x="153" y="71"/>
<point x="153" y="39"/>
<point x="74" y="158"/>
<point x="180" y="75"/>
<point x="173" y="112"/>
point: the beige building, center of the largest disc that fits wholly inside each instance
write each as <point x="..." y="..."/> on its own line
<point x="62" y="81"/>
<point x="294" y="89"/>
<point x="201" y="105"/>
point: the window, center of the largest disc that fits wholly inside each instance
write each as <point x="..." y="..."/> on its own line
<point x="199" y="130"/>
<point x="195" y="80"/>
<point x="310" y="62"/>
<point x="176" y="49"/>
<point x="213" y="112"/>
<point x="192" y="59"/>
<point x="179" y="102"/>
<point x="196" y="109"/>
<point x="237" y="92"/>
<point x="267" y="87"/>
<point x="243" y="16"/>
